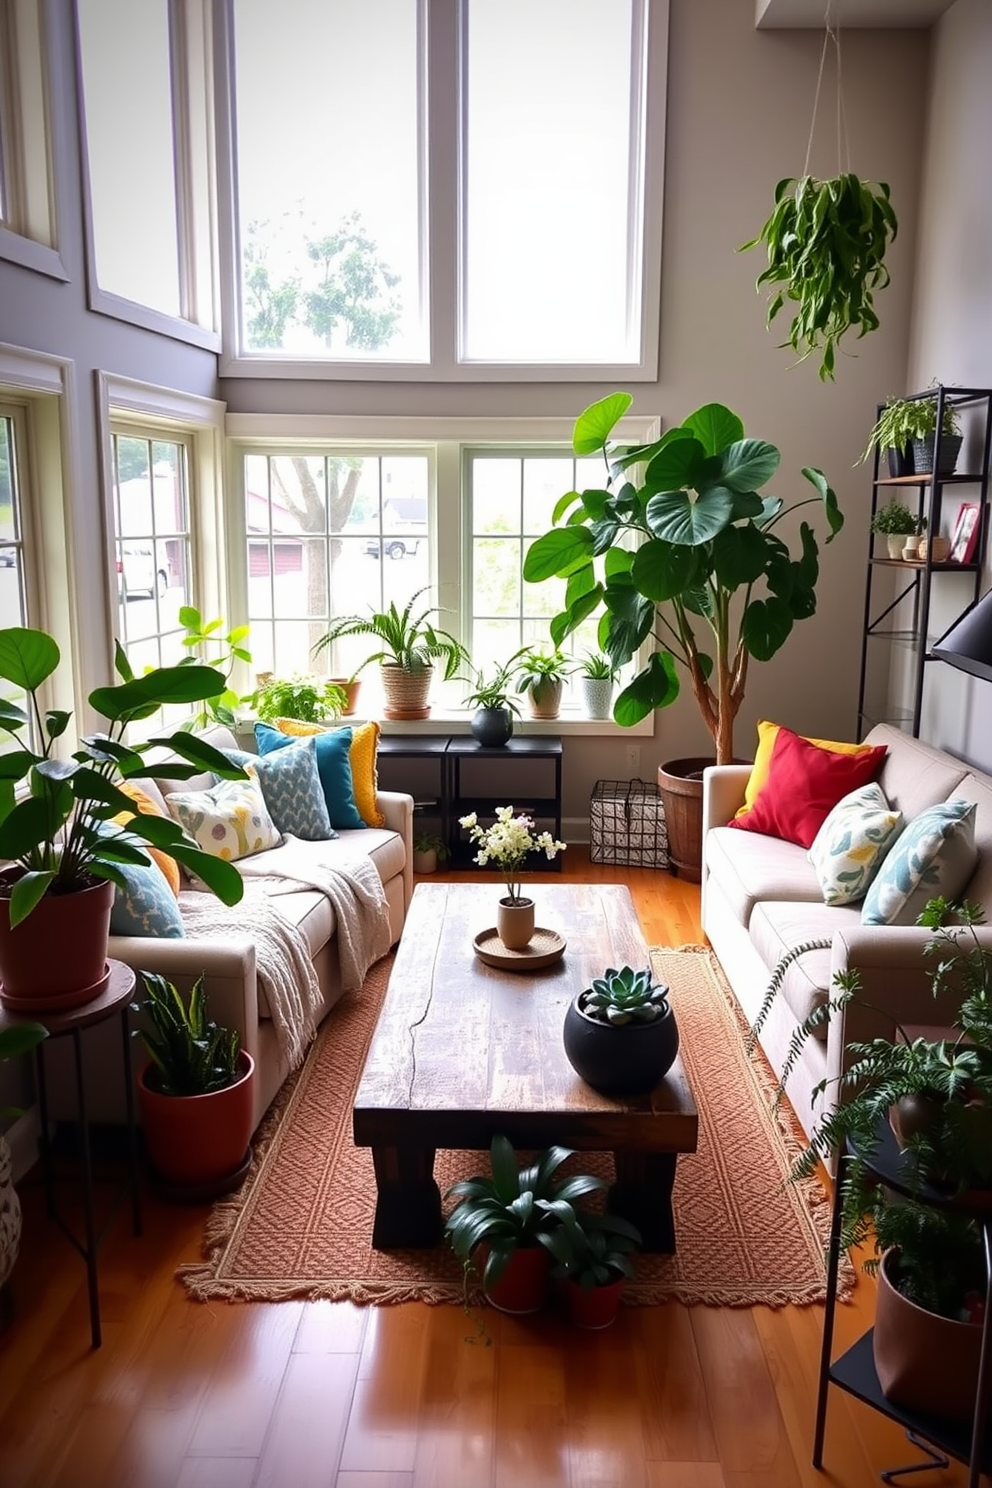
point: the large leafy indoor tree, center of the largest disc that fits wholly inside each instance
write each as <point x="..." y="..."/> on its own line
<point x="689" y="556"/>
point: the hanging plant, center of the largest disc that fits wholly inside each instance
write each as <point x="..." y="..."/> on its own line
<point x="826" y="244"/>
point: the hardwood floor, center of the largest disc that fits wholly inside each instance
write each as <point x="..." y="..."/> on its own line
<point x="312" y="1395"/>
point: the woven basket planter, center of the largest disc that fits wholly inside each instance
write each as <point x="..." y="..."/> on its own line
<point x="406" y="692"/>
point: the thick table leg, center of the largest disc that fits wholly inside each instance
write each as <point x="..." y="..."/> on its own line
<point x="408" y="1207"/>
<point x="643" y="1194"/>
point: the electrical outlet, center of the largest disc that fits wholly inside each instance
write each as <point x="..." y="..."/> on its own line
<point x="633" y="758"/>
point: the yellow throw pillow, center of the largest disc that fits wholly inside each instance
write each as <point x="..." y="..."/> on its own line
<point x="767" y="734"/>
<point x="362" y="757"/>
<point x="145" y="806"/>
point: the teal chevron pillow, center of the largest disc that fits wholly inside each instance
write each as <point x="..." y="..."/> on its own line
<point x="935" y="854"/>
<point x="850" y="847"/>
<point x="146" y="905"/>
<point x="333" y="766"/>
<point x="292" y="790"/>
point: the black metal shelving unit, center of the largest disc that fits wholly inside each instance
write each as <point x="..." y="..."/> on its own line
<point x="913" y="589"/>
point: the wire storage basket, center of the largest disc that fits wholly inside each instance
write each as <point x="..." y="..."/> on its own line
<point x="627" y="825"/>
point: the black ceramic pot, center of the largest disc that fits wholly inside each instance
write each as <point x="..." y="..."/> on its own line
<point x="492" y="726"/>
<point x="625" y="1060"/>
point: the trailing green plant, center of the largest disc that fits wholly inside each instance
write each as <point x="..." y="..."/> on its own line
<point x="598" y="667"/>
<point x="538" y="668"/>
<point x="307" y="699"/>
<point x="937" y="1091"/>
<point x="925" y="418"/>
<point x="191" y="1054"/>
<point x="593" y="1249"/>
<point x="494" y="690"/>
<point x="625" y="996"/>
<point x="200" y="636"/>
<point x="513" y="1206"/>
<point x="58" y="827"/>
<point x="826" y="243"/>
<point x="407" y="639"/>
<point x="707" y="552"/>
<point x="895" y="518"/>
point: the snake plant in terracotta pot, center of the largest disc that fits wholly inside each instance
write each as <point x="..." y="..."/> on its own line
<point x="57" y="818"/>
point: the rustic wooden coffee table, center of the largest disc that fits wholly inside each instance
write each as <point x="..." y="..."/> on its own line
<point x="463" y="1051"/>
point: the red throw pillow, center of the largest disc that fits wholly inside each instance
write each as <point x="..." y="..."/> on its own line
<point x="804" y="785"/>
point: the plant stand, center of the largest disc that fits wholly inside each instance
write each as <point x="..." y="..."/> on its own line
<point x="855" y="1371"/>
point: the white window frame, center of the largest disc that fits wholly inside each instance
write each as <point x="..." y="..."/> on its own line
<point x="447" y="439"/>
<point x="195" y="149"/>
<point x="28" y="231"/>
<point x="442" y="23"/>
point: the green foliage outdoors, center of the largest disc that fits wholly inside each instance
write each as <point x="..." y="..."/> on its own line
<point x="192" y="1056"/>
<point x="625" y="996"/>
<point x="826" y="243"/>
<point x="690" y="541"/>
<point x="60" y="832"/>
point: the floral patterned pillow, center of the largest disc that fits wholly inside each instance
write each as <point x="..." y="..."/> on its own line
<point x="850" y="847"/>
<point x="935" y="855"/>
<point x="230" y="820"/>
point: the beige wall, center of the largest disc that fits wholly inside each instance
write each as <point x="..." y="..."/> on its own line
<point x="952" y="314"/>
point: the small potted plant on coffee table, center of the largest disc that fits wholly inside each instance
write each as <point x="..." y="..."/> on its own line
<point x="592" y="1251"/>
<point x="195" y="1095"/>
<point x="508" y="1216"/>
<point x="620" y="1033"/>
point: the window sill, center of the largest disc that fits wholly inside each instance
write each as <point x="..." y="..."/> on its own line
<point x="457" y="721"/>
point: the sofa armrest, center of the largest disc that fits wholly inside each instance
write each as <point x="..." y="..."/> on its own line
<point x="896" y="987"/>
<point x="723" y="793"/>
<point x="397" y="808"/>
<point x="227" y="966"/>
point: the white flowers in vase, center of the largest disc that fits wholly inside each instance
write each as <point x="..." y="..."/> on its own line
<point x="507" y="842"/>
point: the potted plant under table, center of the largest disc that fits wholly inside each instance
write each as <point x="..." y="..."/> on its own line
<point x="592" y="1252"/>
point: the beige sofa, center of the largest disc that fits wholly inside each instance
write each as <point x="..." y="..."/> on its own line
<point x="760" y="898"/>
<point x="229" y="965"/>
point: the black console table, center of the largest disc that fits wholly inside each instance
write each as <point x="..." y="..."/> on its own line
<point x="855" y="1372"/>
<point x="451" y="795"/>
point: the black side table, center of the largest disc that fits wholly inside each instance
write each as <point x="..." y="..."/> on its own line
<point x="115" y="998"/>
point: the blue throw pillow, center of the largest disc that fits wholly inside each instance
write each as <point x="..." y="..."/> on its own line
<point x="146" y="906"/>
<point x="333" y="767"/>
<point x="291" y="788"/>
<point x="935" y="855"/>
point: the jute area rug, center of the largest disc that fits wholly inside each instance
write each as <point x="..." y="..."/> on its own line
<point x="301" y="1225"/>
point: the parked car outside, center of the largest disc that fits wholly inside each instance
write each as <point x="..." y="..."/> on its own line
<point x="137" y="571"/>
<point x="396" y="547"/>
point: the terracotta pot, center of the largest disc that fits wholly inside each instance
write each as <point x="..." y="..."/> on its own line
<point x="924" y="1362"/>
<point x="406" y="692"/>
<point x="57" y="957"/>
<point x="595" y="1308"/>
<point x="351" y="687"/>
<point x="515" y="922"/>
<point x="544" y="698"/>
<point x="625" y="1060"/>
<point x="680" y="785"/>
<point x="198" y="1141"/>
<point x="523" y="1287"/>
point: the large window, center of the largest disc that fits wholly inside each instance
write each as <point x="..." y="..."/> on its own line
<point x="13" y="600"/>
<point x="500" y="220"/>
<point x="152" y="547"/>
<point x="331" y="534"/>
<point x="27" y="190"/>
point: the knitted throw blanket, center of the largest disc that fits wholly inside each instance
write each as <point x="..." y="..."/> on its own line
<point x="282" y="960"/>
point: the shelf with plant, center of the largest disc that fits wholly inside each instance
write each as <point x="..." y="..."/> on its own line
<point x="307" y="699"/>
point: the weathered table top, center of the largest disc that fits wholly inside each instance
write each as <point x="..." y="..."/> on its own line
<point x="463" y="1049"/>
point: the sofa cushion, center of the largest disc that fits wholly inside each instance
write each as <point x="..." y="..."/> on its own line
<point x="850" y="847"/>
<point x="914" y="775"/>
<point x="363" y="752"/>
<point x="291" y="786"/>
<point x="767" y="735"/>
<point x="935" y="854"/>
<point x="229" y="819"/>
<point x="146" y="904"/>
<point x="149" y="801"/>
<point x="750" y="867"/>
<point x="978" y="788"/>
<point x="332" y="747"/>
<point x="777" y="926"/>
<point x="804" y="783"/>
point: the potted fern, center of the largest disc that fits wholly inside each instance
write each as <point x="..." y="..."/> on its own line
<point x="195" y="1094"/>
<point x="409" y="645"/>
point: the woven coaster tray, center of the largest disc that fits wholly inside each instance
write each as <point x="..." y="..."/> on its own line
<point x="543" y="949"/>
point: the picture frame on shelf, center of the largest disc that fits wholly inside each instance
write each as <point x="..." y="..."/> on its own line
<point x="965" y="539"/>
